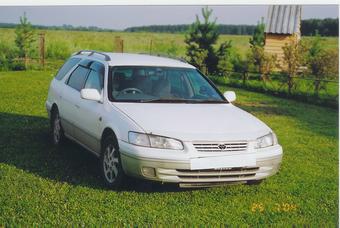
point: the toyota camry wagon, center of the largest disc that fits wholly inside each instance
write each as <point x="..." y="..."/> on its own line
<point x="159" y="119"/>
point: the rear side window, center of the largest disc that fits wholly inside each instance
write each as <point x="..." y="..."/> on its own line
<point x="78" y="77"/>
<point x="66" y="68"/>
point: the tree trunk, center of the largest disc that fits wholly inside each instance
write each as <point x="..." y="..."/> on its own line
<point x="316" y="87"/>
<point x="244" y="78"/>
<point x="290" y="85"/>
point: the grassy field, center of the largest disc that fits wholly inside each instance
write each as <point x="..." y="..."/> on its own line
<point x="42" y="185"/>
<point x="60" y="44"/>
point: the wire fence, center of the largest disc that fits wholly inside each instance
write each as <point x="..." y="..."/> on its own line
<point x="303" y="89"/>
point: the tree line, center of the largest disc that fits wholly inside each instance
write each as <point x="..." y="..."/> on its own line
<point x="309" y="27"/>
<point x="62" y="27"/>
<point x="222" y="29"/>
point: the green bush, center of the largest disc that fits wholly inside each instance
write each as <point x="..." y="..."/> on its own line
<point x="58" y="50"/>
<point x="7" y="57"/>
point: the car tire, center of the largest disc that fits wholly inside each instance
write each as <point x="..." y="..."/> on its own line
<point x="58" y="136"/>
<point x="110" y="164"/>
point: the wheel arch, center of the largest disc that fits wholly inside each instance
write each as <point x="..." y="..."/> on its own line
<point x="54" y="108"/>
<point x="108" y="131"/>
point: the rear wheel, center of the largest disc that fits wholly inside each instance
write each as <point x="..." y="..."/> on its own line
<point x="57" y="130"/>
<point x="110" y="163"/>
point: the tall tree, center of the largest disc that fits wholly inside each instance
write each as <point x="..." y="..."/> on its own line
<point x="258" y="36"/>
<point x="24" y="37"/>
<point x="202" y="36"/>
<point x="224" y="57"/>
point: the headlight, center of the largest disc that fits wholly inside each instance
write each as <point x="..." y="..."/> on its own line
<point x="265" y="141"/>
<point x="154" y="141"/>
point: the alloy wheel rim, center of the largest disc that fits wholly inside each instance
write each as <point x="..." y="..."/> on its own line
<point x="110" y="163"/>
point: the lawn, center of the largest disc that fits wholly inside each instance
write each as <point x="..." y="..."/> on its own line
<point x="40" y="184"/>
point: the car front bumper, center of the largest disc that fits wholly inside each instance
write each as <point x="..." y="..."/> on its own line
<point x="137" y="162"/>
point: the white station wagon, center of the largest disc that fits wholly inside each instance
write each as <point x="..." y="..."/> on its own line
<point x="159" y="119"/>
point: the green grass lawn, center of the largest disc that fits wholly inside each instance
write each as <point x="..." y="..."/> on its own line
<point x="40" y="184"/>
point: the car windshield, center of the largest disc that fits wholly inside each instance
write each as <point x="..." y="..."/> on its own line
<point x="161" y="84"/>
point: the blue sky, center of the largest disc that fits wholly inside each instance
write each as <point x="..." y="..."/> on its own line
<point x="120" y="17"/>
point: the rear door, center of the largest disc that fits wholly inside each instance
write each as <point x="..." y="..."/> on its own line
<point x="90" y="112"/>
<point x="71" y="98"/>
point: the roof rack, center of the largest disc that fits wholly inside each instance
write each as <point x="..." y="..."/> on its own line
<point x="92" y="52"/>
<point x="165" y="56"/>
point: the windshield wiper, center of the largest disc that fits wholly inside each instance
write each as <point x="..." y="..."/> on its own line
<point x="156" y="100"/>
<point x="160" y="100"/>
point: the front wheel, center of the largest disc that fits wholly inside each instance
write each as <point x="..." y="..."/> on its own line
<point x="110" y="164"/>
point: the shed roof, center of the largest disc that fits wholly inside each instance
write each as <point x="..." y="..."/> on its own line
<point x="283" y="19"/>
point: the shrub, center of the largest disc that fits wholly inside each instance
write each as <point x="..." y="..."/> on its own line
<point x="224" y="54"/>
<point x="293" y="59"/>
<point x="58" y="50"/>
<point x="7" y="55"/>
<point x="242" y="65"/>
<point x="264" y="62"/>
<point x="324" y="65"/>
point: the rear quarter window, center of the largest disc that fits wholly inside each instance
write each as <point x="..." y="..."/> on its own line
<point x="66" y="68"/>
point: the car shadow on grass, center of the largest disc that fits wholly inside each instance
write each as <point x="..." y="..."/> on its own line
<point x="25" y="143"/>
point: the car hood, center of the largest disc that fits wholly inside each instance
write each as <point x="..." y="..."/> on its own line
<point x="195" y="122"/>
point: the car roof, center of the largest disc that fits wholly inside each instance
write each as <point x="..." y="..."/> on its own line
<point x="129" y="59"/>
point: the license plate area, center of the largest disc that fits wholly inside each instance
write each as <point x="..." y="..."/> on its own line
<point x="241" y="160"/>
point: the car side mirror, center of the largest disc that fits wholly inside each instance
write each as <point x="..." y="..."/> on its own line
<point x="230" y="96"/>
<point x="90" y="94"/>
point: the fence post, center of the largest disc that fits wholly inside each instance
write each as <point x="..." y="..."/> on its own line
<point x="119" y="44"/>
<point x="150" y="50"/>
<point x="122" y="45"/>
<point x="42" y="48"/>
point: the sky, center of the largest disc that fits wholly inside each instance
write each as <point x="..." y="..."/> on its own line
<point x="121" y="17"/>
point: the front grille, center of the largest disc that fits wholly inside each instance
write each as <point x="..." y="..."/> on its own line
<point x="208" y="184"/>
<point x="213" y="177"/>
<point x="221" y="147"/>
<point x="217" y="175"/>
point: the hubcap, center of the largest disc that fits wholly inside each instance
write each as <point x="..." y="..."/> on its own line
<point x="56" y="129"/>
<point x="110" y="163"/>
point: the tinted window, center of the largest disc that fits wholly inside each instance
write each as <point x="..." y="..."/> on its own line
<point x="78" y="77"/>
<point x="66" y="68"/>
<point x="94" y="81"/>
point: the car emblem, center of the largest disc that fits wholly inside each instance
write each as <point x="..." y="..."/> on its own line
<point x="222" y="147"/>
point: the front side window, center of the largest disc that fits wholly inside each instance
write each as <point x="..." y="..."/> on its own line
<point x="94" y="81"/>
<point x="161" y="84"/>
<point x="78" y="77"/>
<point x="66" y="68"/>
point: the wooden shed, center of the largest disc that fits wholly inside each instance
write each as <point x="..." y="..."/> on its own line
<point x="282" y="26"/>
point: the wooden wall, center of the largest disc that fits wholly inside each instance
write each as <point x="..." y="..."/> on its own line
<point x="275" y="42"/>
